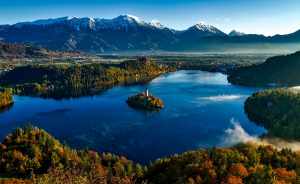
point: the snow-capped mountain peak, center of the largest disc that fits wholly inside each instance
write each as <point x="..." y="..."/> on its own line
<point x="236" y="33"/>
<point x="48" y="21"/>
<point x="126" y="22"/>
<point x="203" y="27"/>
<point x="129" y="18"/>
<point x="200" y="30"/>
<point x="122" y="21"/>
<point x="157" y="24"/>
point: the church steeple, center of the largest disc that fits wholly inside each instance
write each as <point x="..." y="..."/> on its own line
<point x="146" y="91"/>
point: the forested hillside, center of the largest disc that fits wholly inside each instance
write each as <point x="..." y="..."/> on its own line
<point x="281" y="110"/>
<point x="32" y="150"/>
<point x="282" y="70"/>
<point x="40" y="77"/>
<point x="244" y="163"/>
<point x="6" y="97"/>
<point x="15" y="51"/>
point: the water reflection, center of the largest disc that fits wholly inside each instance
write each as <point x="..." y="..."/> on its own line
<point x="76" y="93"/>
<point x="197" y="114"/>
<point x="6" y="108"/>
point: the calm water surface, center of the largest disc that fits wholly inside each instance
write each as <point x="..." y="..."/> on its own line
<point x="201" y="109"/>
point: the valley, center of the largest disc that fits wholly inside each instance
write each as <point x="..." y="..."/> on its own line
<point x="189" y="96"/>
<point x="149" y="92"/>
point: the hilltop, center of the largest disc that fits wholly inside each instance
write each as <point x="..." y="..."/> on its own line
<point x="280" y="70"/>
<point x="16" y="51"/>
<point x="278" y="110"/>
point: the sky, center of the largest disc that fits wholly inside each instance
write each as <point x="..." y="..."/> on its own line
<point x="268" y="17"/>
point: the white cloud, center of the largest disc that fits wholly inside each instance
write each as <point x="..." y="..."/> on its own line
<point x="176" y="24"/>
<point x="236" y="133"/>
<point x="217" y="18"/>
<point x="222" y="97"/>
<point x="233" y="135"/>
<point x="202" y="101"/>
<point x="227" y="19"/>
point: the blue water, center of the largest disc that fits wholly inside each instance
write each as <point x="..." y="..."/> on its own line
<point x="201" y="109"/>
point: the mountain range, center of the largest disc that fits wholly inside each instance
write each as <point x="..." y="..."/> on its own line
<point x="127" y="33"/>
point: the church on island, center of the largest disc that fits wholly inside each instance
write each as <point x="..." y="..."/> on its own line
<point x="144" y="100"/>
<point x="145" y="95"/>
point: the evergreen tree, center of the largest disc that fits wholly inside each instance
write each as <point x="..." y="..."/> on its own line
<point x="213" y="154"/>
<point x="129" y="170"/>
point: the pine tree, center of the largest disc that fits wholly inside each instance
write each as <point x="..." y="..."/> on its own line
<point x="269" y="175"/>
<point x="129" y="170"/>
<point x="13" y="131"/>
<point x="64" y="144"/>
<point x="213" y="154"/>
<point x="150" y="163"/>
<point x="110" y="173"/>
<point x="86" y="150"/>
<point x="138" y="170"/>
<point x="19" y="133"/>
<point x="229" y="160"/>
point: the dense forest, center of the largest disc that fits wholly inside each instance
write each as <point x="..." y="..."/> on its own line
<point x="282" y="70"/>
<point x="33" y="78"/>
<point x="35" y="153"/>
<point x="244" y="163"/>
<point x="6" y="97"/>
<point x="278" y="111"/>
<point x="16" y="51"/>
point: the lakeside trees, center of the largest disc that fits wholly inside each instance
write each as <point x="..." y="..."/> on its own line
<point x="282" y="70"/>
<point x="39" y="77"/>
<point x="6" y="97"/>
<point x="32" y="150"/>
<point x="281" y="110"/>
<point x="243" y="163"/>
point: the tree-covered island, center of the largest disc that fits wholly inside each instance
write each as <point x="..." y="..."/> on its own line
<point x="145" y="101"/>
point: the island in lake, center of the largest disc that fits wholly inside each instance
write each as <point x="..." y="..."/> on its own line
<point x="145" y="101"/>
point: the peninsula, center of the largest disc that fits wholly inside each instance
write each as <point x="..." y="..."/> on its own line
<point x="144" y="101"/>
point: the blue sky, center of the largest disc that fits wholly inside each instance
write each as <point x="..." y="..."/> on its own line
<point x="266" y="17"/>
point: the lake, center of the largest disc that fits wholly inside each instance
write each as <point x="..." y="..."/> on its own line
<point x="201" y="109"/>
